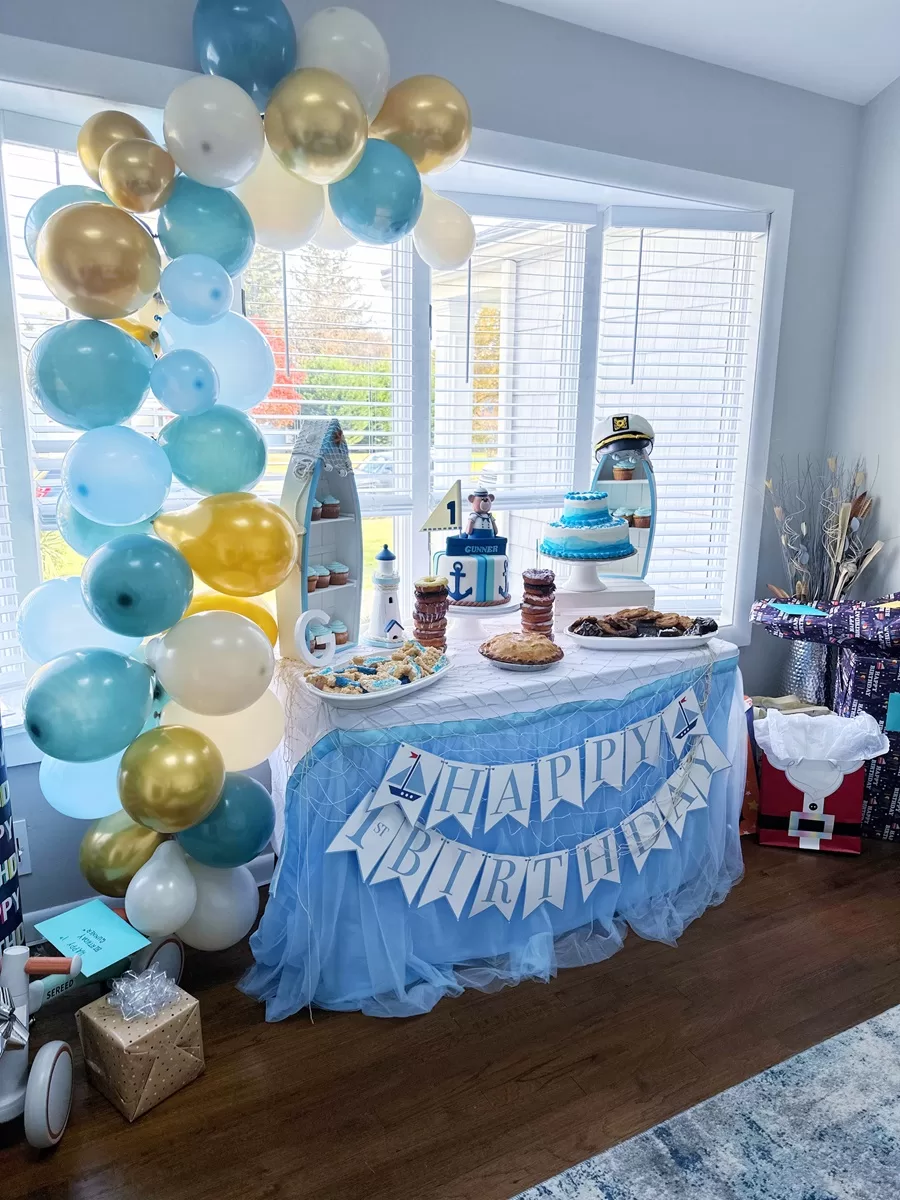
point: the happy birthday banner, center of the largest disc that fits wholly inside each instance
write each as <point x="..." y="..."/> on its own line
<point x="391" y="842"/>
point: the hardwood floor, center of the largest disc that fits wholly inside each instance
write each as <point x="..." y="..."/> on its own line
<point x="490" y="1094"/>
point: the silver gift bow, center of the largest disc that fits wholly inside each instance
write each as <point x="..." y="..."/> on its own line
<point x="13" y="1034"/>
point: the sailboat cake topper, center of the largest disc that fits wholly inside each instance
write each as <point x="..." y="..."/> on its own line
<point x="474" y="560"/>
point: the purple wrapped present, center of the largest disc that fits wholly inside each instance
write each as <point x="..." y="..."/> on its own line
<point x="862" y="624"/>
<point x="865" y="682"/>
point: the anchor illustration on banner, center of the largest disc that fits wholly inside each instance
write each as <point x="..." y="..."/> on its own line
<point x="686" y="719"/>
<point x="409" y="784"/>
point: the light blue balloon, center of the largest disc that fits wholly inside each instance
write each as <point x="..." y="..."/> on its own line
<point x="237" y="829"/>
<point x="209" y="221"/>
<point x="185" y="382"/>
<point x="381" y="199"/>
<point x="137" y="585"/>
<point x="116" y="476"/>
<point x="51" y="202"/>
<point x="196" y="289"/>
<point x="217" y="451"/>
<point x="87" y="704"/>
<point x="53" y="619"/>
<point x="240" y="355"/>
<point x="85" y="374"/>
<point x="84" y="535"/>
<point x="253" y="45"/>
<point x="86" y="791"/>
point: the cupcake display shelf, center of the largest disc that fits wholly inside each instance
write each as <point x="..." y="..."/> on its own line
<point x="320" y="482"/>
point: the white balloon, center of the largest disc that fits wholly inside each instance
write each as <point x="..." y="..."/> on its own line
<point x="213" y="662"/>
<point x="213" y="130"/>
<point x="244" y="739"/>
<point x="54" y="618"/>
<point x="162" y="895"/>
<point x="286" y="210"/>
<point x="227" y="906"/>
<point x="444" y="234"/>
<point x="342" y="40"/>
<point x="331" y="235"/>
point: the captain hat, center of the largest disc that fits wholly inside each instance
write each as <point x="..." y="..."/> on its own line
<point x="621" y="429"/>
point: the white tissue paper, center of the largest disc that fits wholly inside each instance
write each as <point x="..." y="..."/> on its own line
<point x="846" y="742"/>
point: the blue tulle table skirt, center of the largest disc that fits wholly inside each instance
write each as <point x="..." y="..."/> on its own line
<point x="327" y="938"/>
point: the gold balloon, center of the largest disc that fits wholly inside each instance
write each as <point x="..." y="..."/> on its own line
<point x="98" y="260"/>
<point x="427" y="117"/>
<point x="235" y="542"/>
<point x="137" y="175"/>
<point x="316" y="125"/>
<point x="113" y="850"/>
<point x="144" y="334"/>
<point x="170" y="778"/>
<point x="100" y="131"/>
<point x="216" y="602"/>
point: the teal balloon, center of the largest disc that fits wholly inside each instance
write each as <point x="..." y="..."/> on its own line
<point x="116" y="476"/>
<point x="185" y="382"/>
<point x="204" y="220"/>
<point x="86" y="791"/>
<point x="381" y="199"/>
<point x="84" y="535"/>
<point x="216" y="451"/>
<point x="253" y="45"/>
<point x="87" y="704"/>
<point x="85" y="374"/>
<point x="196" y="289"/>
<point x="137" y="585"/>
<point x="237" y="829"/>
<point x="51" y="202"/>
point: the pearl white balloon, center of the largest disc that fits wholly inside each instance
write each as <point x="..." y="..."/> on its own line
<point x="286" y="210"/>
<point x="342" y="40"/>
<point x="331" y="235"/>
<point x="444" y="234"/>
<point x="162" y="895"/>
<point x="213" y="662"/>
<point x="213" y="130"/>
<point x="244" y="739"/>
<point x="226" y="909"/>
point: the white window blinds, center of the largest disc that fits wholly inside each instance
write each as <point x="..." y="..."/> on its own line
<point x="506" y="334"/>
<point x="679" y="323"/>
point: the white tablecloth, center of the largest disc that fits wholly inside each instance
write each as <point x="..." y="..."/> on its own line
<point x="474" y="688"/>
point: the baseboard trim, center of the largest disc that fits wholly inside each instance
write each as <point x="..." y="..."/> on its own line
<point x="261" y="868"/>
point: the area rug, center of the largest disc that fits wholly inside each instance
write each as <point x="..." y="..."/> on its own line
<point x="822" y="1126"/>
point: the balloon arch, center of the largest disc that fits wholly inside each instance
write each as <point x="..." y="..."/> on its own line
<point x="150" y="701"/>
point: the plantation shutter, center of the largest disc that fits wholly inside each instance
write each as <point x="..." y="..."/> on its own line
<point x="505" y="355"/>
<point x="679" y="322"/>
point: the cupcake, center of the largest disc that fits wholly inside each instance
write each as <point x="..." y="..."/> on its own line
<point x="316" y="510"/>
<point x="312" y="579"/>
<point x="626" y="514"/>
<point x="340" y="631"/>
<point x="340" y="573"/>
<point x="623" y="472"/>
<point x="323" y="576"/>
<point x="315" y="635"/>
<point x="642" y="518"/>
<point x="331" y="507"/>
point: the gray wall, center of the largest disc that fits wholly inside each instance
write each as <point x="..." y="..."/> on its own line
<point x="532" y="76"/>
<point x="865" y="414"/>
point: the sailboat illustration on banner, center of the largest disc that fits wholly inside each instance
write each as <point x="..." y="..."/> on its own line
<point x="686" y="719"/>
<point x="409" y="784"/>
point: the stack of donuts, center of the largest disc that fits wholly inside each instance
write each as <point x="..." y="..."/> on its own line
<point x="430" y="612"/>
<point x="538" y="591"/>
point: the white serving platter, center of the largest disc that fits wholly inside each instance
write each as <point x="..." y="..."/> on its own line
<point x="372" y="699"/>
<point x="685" y="642"/>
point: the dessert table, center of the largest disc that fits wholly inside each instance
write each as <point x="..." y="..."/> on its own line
<point x="341" y="931"/>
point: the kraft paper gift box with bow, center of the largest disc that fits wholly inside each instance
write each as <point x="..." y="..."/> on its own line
<point x="138" y="1063"/>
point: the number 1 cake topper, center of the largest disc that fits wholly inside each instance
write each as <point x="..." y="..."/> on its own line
<point x="448" y="513"/>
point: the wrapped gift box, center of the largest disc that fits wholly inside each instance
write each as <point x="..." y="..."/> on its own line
<point x="138" y="1063"/>
<point x="863" y="624"/>
<point x="865" y="682"/>
<point x="787" y="817"/>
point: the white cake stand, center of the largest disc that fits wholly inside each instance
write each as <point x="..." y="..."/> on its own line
<point x="476" y="619"/>
<point x="584" y="592"/>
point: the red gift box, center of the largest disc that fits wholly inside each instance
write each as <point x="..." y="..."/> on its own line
<point x="804" y="821"/>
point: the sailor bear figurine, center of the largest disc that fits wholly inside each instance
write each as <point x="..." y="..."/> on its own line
<point x="481" y="522"/>
<point x="385" y="626"/>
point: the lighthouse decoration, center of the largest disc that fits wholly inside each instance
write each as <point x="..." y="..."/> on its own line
<point x="386" y="626"/>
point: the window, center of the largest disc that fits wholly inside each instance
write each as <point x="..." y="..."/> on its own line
<point x="496" y="372"/>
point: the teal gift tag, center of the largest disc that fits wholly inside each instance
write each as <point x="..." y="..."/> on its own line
<point x="892" y="721"/>
<point x="96" y="933"/>
<point x="798" y="610"/>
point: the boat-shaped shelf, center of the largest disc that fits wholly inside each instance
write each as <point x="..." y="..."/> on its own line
<point x="634" y="493"/>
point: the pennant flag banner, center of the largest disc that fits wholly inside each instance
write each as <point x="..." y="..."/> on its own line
<point x="391" y="841"/>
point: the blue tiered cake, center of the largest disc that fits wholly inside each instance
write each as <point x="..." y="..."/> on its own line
<point x="587" y="531"/>
<point x="475" y="562"/>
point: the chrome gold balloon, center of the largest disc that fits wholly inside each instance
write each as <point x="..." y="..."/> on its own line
<point x="137" y="175"/>
<point x="145" y="335"/>
<point x="427" y="117"/>
<point x="100" y="131"/>
<point x="170" y="778"/>
<point x="113" y="850"/>
<point x="98" y="260"/>
<point x="235" y="542"/>
<point x="316" y="125"/>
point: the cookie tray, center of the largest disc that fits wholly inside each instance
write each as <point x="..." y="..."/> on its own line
<point x="635" y="644"/>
